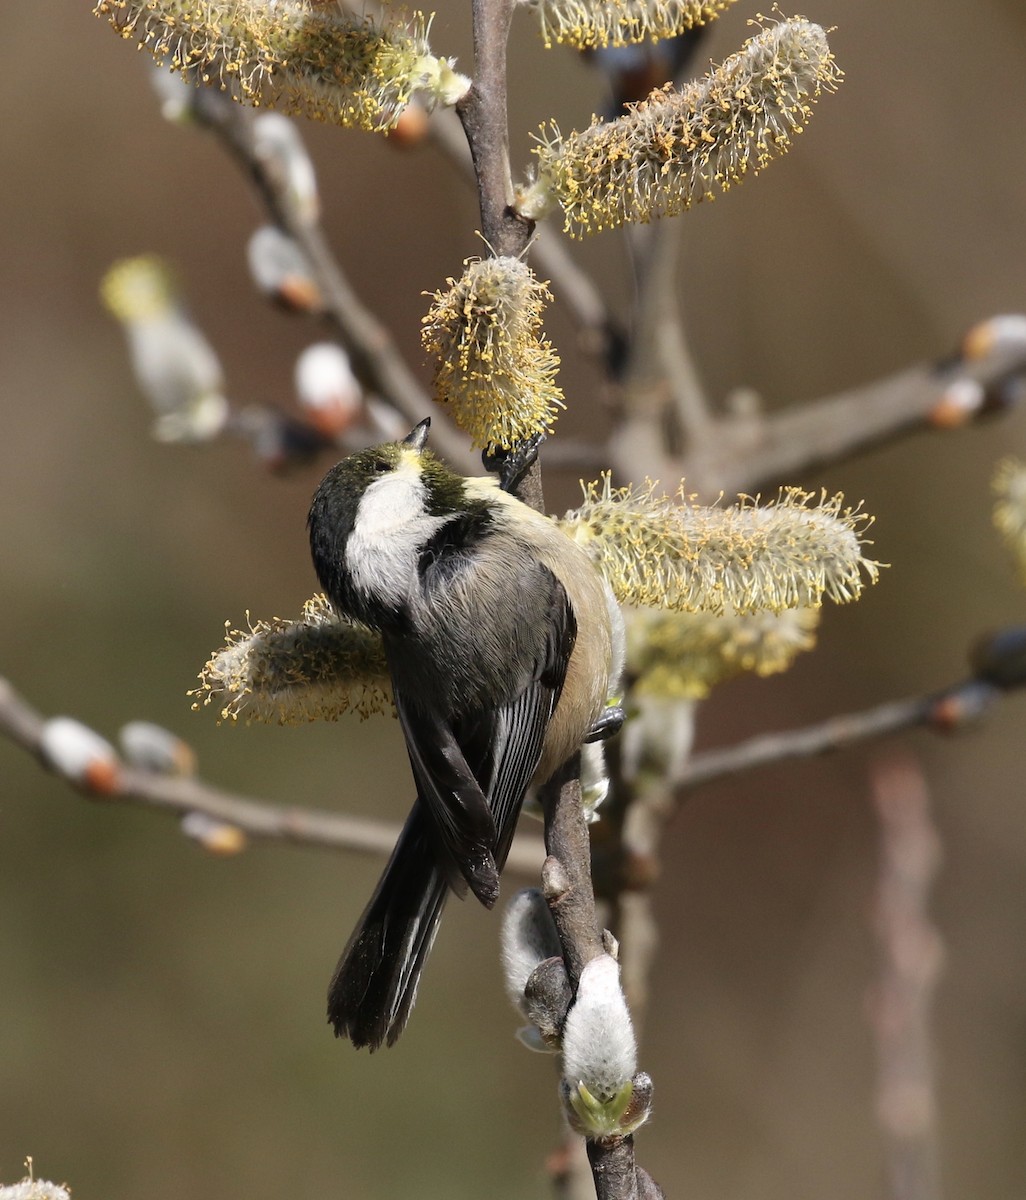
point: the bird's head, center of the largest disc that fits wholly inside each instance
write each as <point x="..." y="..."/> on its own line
<point x="374" y="512"/>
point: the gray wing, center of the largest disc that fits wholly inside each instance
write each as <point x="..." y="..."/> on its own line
<point x="472" y="774"/>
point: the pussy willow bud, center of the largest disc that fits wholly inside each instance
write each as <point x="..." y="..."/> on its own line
<point x="281" y="270"/>
<point x="80" y="754"/>
<point x="174" y="364"/>
<point x="328" y="391"/>
<point x="300" y="56"/>
<point x="216" y="837"/>
<point x="599" y="1050"/>
<point x="679" y="147"/>
<point x="666" y="553"/>
<point x="495" y="371"/>
<point x="1009" y="485"/>
<point x="284" y="672"/>
<point x="683" y="655"/>
<point x="153" y="748"/>
<point x="278" y="145"/>
<point x="1003" y="334"/>
<point x="589" y="24"/>
<point x="176" y="96"/>
<point x="528" y="938"/>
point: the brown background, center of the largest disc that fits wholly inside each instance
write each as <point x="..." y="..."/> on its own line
<point x="161" y="1013"/>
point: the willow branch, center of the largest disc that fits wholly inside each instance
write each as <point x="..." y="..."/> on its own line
<point x="178" y="796"/>
<point x="568" y="888"/>
<point x="750" y="450"/>
<point x="600" y="335"/>
<point x="900" y="1003"/>
<point x="375" y="357"/>
<point x="943" y="711"/>
<point x="483" y="113"/>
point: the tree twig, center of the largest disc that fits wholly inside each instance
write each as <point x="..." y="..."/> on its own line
<point x="179" y="796"/>
<point x="750" y="450"/>
<point x="567" y="884"/>
<point x="944" y="711"/>
<point x="901" y="1000"/>
<point x="376" y="360"/>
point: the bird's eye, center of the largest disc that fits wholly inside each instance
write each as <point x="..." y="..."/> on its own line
<point x="380" y="466"/>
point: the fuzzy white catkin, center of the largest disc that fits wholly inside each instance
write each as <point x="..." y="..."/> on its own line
<point x="34" y="1189"/>
<point x="324" y="379"/>
<point x="528" y="939"/>
<point x="273" y="258"/>
<point x="599" y="1049"/>
<point x="279" y="146"/>
<point x="72" y="749"/>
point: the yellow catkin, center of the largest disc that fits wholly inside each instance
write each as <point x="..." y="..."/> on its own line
<point x="1009" y="486"/>
<point x="495" y="371"/>
<point x="590" y="24"/>
<point x="663" y="552"/>
<point x="679" y="147"/>
<point x="286" y="672"/>
<point x="681" y="655"/>
<point x="314" y="59"/>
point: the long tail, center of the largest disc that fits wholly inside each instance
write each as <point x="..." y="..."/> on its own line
<point x="375" y="983"/>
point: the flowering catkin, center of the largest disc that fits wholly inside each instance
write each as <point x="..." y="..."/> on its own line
<point x="284" y="672"/>
<point x="1009" y="486"/>
<point x="678" y="147"/>
<point x="495" y="371"/>
<point x="589" y="24"/>
<point x="301" y="56"/>
<point x="667" y="553"/>
<point x="683" y="655"/>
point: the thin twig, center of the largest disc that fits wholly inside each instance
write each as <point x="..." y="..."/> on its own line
<point x="567" y="883"/>
<point x="179" y="796"/>
<point x="752" y="450"/>
<point x="483" y="113"/>
<point x="944" y="711"/>
<point x="376" y="360"/>
<point x="600" y="335"/>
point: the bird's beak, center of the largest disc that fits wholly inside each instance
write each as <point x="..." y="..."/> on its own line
<point x="418" y="435"/>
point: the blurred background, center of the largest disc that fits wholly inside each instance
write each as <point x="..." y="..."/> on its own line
<point x="161" y="1012"/>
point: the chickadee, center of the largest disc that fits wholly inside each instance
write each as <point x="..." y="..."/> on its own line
<point x="502" y="639"/>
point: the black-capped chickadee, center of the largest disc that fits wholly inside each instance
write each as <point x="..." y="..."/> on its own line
<point x="502" y="639"/>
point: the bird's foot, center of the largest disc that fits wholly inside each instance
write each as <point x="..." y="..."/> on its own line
<point x="608" y="724"/>
<point x="513" y="464"/>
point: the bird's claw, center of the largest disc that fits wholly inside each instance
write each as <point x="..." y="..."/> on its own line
<point x="513" y="464"/>
<point x="608" y="724"/>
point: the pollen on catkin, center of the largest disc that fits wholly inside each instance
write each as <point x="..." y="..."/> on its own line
<point x="285" y="672"/>
<point x="495" y="371"/>
<point x="683" y="655"/>
<point x="1009" y="485"/>
<point x="590" y="24"/>
<point x="300" y="56"/>
<point x="676" y="148"/>
<point x="666" y="552"/>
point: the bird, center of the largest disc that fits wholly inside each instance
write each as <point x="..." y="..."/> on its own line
<point x="503" y="642"/>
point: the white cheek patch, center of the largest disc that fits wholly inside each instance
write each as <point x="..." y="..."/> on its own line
<point x="390" y="531"/>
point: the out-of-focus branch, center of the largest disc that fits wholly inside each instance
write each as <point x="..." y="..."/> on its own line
<point x="750" y="450"/>
<point x="182" y="795"/>
<point x="376" y="360"/>
<point x="900" y="1002"/>
<point x="944" y="711"/>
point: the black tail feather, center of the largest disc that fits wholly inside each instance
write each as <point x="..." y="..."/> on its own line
<point x="375" y="983"/>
